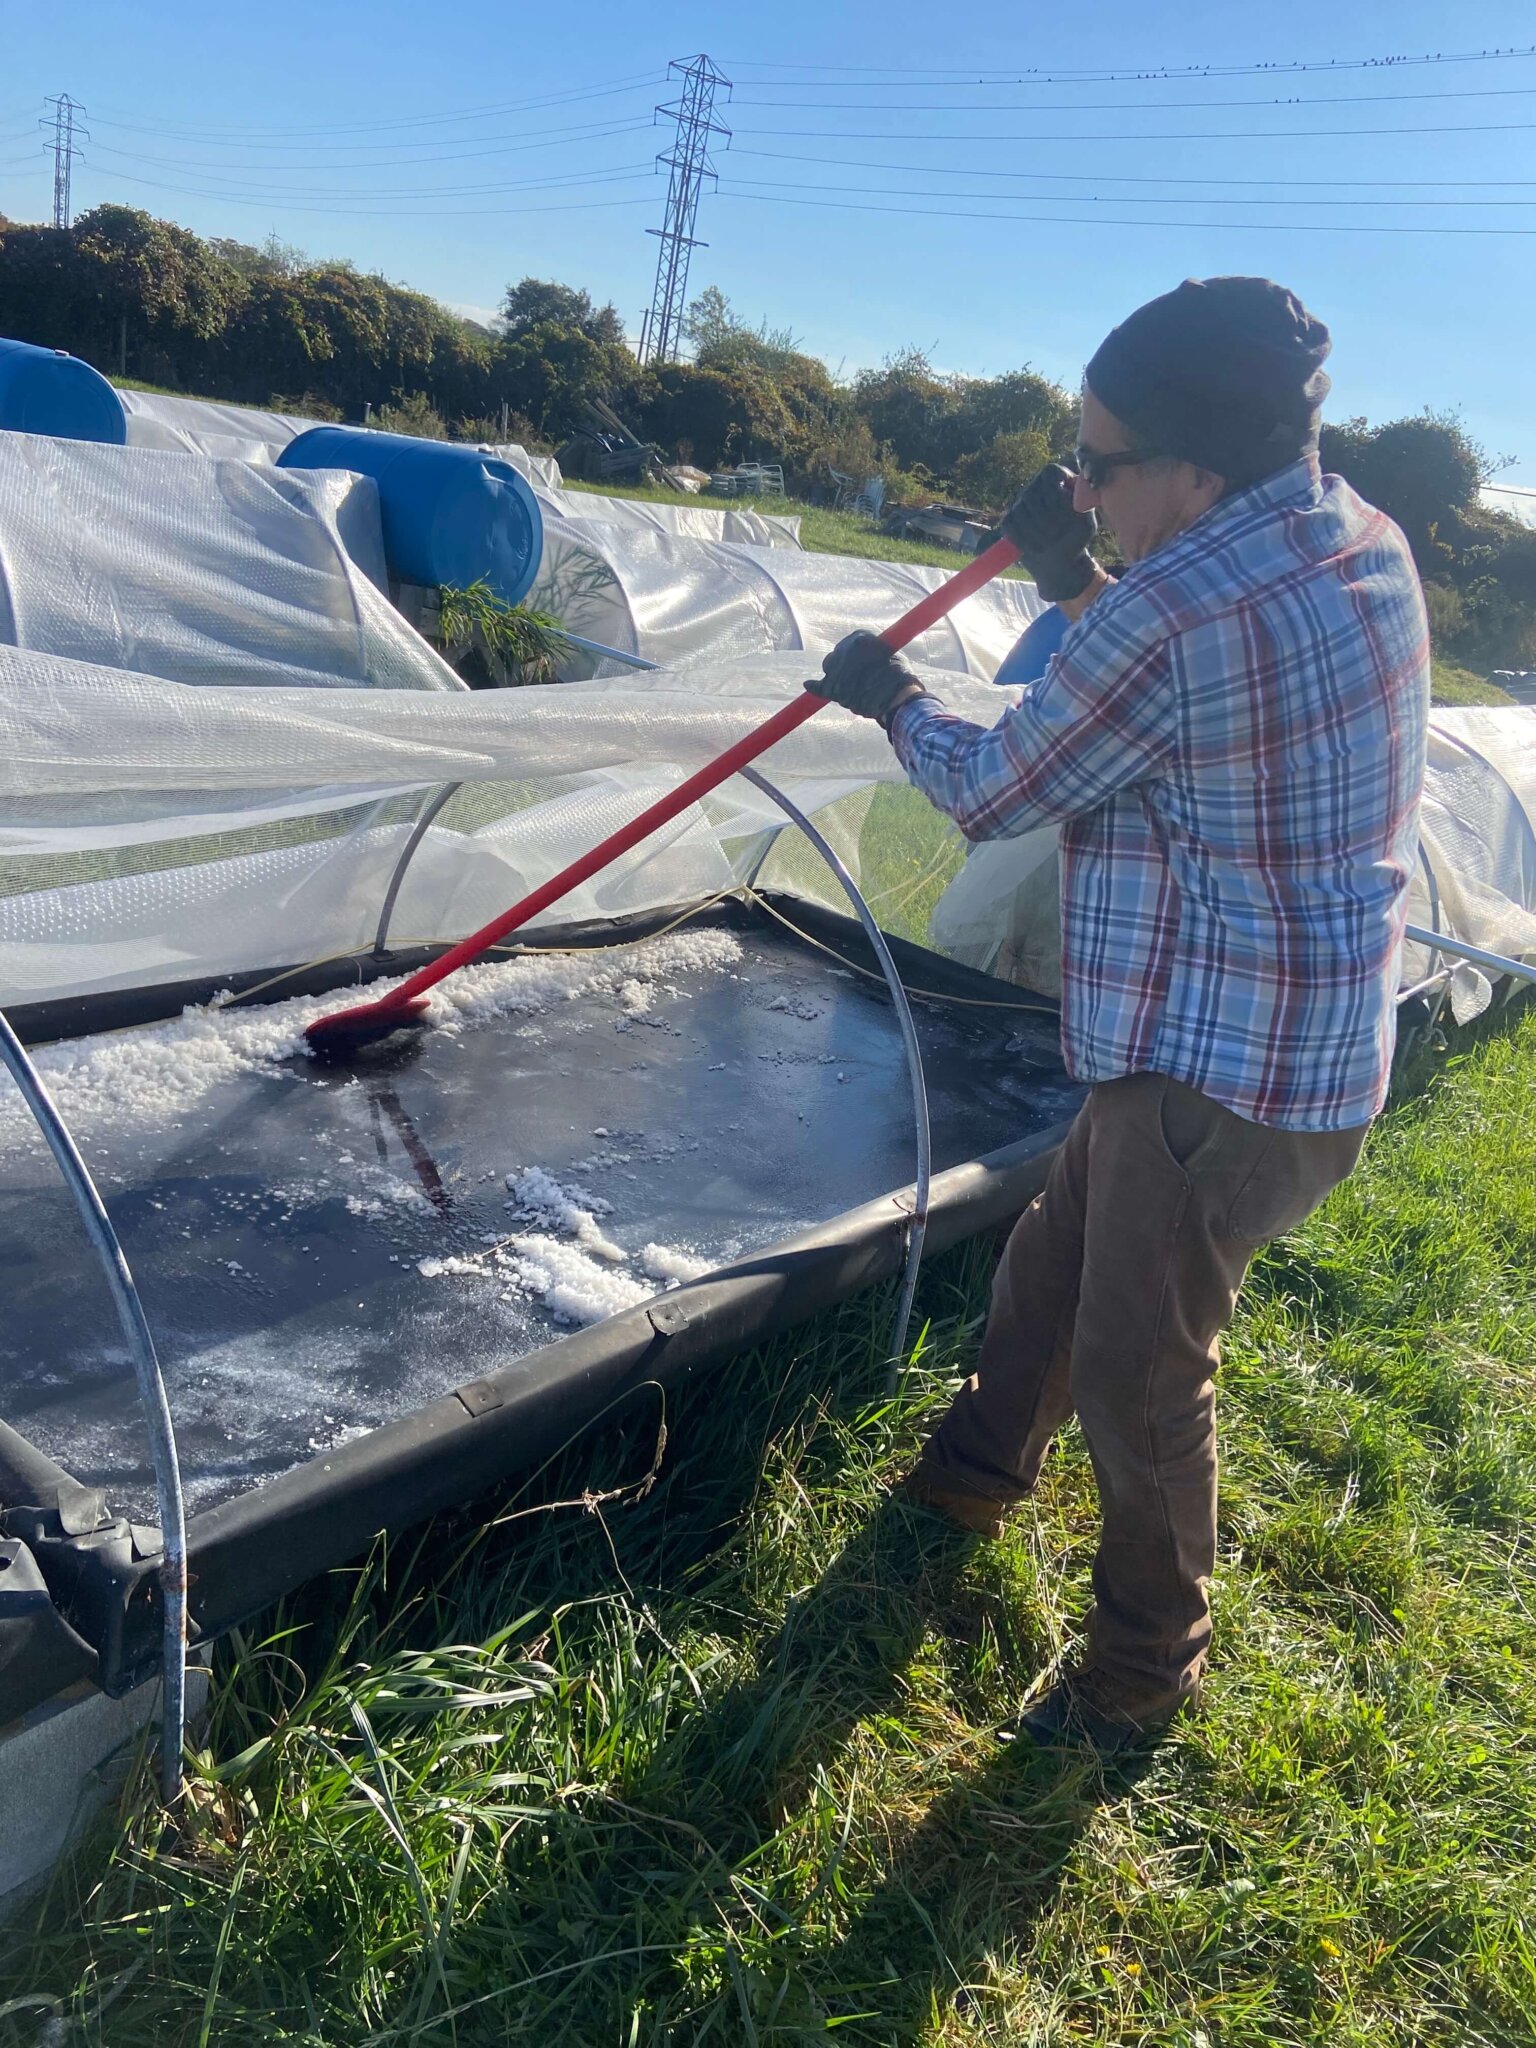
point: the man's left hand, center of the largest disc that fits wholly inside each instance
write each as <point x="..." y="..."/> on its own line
<point x="863" y="675"/>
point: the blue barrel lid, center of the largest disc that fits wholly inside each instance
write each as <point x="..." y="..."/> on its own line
<point x="48" y="391"/>
<point x="451" y="515"/>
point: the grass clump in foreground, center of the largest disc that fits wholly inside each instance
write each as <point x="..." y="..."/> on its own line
<point x="716" y="1759"/>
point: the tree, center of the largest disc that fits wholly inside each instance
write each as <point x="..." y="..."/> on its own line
<point x="1424" y="472"/>
<point x="707" y="413"/>
<point x="272" y="258"/>
<point x="537" y="302"/>
<point x="708" y="320"/>
<point x="413" y="415"/>
<point x="148" y="279"/>
<point x="993" y="476"/>
<point x="546" y="371"/>
<point x="1019" y="402"/>
<point x="908" y="407"/>
<point x="721" y="340"/>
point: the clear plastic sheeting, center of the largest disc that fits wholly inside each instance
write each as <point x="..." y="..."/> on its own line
<point x="1476" y="880"/>
<point x="675" y="599"/>
<point x="153" y="833"/>
<point x="212" y="572"/>
<point x="199" y="426"/>
<point x="740" y="525"/>
<point x="1002" y="911"/>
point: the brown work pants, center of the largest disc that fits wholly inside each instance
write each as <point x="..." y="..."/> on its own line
<point x="1110" y="1299"/>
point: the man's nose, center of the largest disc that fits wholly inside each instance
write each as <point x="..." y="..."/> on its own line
<point x="1084" y="497"/>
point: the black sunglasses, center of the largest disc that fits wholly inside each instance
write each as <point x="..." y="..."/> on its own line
<point x="1096" y="470"/>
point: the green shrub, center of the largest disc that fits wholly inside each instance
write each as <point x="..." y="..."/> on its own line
<point x="495" y="644"/>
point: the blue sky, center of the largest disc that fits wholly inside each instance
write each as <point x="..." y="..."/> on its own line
<point x="866" y="140"/>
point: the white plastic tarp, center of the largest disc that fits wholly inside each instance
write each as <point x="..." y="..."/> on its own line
<point x="206" y="426"/>
<point x="198" y="426"/>
<point x="1478" y="834"/>
<point x="673" y="599"/>
<point x="542" y="470"/>
<point x="217" y="571"/>
<point x="739" y="524"/>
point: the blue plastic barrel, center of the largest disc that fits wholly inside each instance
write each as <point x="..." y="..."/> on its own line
<point x="46" y="391"/>
<point x="451" y="515"/>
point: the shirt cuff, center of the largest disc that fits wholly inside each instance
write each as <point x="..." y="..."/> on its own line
<point x="906" y="719"/>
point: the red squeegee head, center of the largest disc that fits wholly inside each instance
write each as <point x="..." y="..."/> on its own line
<point x="406" y="1005"/>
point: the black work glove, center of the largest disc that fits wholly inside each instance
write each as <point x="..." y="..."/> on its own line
<point x="1051" y="538"/>
<point x="863" y="675"/>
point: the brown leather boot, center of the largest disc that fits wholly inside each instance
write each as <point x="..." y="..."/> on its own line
<point x="973" y="1511"/>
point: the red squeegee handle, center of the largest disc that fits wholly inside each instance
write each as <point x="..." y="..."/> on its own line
<point x="989" y="563"/>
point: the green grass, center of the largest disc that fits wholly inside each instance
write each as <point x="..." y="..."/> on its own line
<point x="701" y="1744"/>
<point x="1454" y="685"/>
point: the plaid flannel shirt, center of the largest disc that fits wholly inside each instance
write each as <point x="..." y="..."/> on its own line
<point x="1232" y="739"/>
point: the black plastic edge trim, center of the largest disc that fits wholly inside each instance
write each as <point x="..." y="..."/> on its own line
<point x="249" y="1551"/>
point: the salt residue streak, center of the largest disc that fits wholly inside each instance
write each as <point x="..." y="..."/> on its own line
<point x="666" y="1262"/>
<point x="141" y="1079"/>
<point x="575" y="1274"/>
<point x="538" y="1196"/>
<point x="570" y="1283"/>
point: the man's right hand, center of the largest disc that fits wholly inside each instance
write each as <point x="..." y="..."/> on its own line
<point x="1052" y="538"/>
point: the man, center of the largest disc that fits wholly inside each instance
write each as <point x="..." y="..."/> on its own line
<point x="1232" y="740"/>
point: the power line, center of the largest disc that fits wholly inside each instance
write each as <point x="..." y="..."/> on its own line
<point x="1087" y="198"/>
<point x="860" y="163"/>
<point x="64" y="152"/>
<point x="1150" y="74"/>
<point x="1337" y="99"/>
<point x="248" y="137"/>
<point x="541" y="138"/>
<point x="391" y="209"/>
<point x="275" y="195"/>
<point x="1101" y="220"/>
<point x="1247" y="135"/>
<point x="688" y="161"/>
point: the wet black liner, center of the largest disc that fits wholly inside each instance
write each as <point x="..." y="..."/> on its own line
<point x="247" y="1552"/>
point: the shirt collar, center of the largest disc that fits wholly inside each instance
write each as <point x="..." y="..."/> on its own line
<point x="1300" y="482"/>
